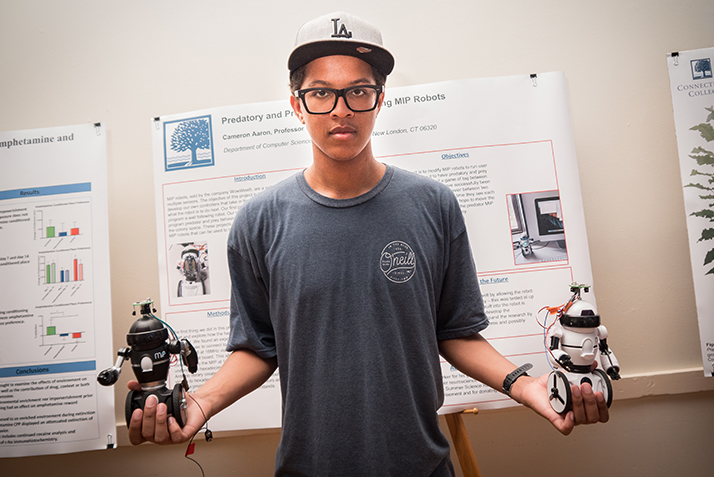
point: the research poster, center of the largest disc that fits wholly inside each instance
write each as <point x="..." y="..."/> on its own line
<point x="503" y="145"/>
<point x="55" y="311"/>
<point x="692" y="85"/>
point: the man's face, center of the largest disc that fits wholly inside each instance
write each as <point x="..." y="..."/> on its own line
<point x="341" y="135"/>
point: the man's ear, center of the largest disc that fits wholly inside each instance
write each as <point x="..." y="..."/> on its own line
<point x="381" y="100"/>
<point x="297" y="107"/>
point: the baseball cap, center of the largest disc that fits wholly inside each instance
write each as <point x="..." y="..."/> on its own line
<point x="340" y="33"/>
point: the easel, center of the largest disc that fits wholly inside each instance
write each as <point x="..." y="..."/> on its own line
<point x="462" y="444"/>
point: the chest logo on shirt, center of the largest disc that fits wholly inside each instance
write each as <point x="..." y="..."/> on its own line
<point x="398" y="262"/>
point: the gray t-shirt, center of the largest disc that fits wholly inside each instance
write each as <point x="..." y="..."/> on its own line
<point x="352" y="297"/>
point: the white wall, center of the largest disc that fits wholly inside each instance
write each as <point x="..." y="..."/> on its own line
<point x="124" y="62"/>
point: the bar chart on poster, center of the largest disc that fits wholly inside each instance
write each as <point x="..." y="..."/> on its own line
<point x="47" y="258"/>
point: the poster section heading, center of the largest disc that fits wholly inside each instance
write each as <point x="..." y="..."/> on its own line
<point x="31" y="141"/>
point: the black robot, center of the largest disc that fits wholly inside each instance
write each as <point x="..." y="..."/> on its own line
<point x="150" y="351"/>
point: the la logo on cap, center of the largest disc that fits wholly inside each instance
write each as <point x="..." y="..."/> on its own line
<point x="342" y="32"/>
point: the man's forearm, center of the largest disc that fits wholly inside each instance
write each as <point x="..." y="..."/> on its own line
<point x="241" y="373"/>
<point x="475" y="357"/>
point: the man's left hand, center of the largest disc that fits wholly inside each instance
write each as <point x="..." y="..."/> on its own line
<point x="588" y="407"/>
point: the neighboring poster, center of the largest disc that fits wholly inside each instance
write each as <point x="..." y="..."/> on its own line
<point x="55" y="310"/>
<point x="504" y="145"/>
<point x="692" y="84"/>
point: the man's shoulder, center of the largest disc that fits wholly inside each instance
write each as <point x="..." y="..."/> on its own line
<point x="418" y="181"/>
<point x="259" y="212"/>
<point x="271" y="196"/>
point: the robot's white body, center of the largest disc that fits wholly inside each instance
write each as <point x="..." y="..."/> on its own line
<point x="576" y="341"/>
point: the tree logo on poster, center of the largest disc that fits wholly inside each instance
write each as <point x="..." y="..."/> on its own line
<point x="398" y="262"/>
<point x="188" y="143"/>
<point x="701" y="69"/>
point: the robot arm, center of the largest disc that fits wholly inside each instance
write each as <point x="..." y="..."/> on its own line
<point x="188" y="353"/>
<point x="189" y="356"/>
<point x="608" y="361"/>
<point x="557" y="356"/>
<point x="110" y="375"/>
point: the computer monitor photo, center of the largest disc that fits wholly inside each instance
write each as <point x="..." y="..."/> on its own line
<point x="537" y="229"/>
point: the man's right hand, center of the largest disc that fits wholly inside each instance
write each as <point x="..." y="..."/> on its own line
<point x="241" y="373"/>
<point x="154" y="425"/>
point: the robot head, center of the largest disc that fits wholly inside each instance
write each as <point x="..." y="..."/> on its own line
<point x="147" y="338"/>
<point x="580" y="314"/>
<point x="146" y="333"/>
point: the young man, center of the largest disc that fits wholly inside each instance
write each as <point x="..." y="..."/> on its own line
<point x="354" y="276"/>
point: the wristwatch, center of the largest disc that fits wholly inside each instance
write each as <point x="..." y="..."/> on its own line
<point x="513" y="375"/>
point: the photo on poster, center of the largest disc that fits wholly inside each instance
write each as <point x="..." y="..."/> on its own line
<point x="191" y="274"/>
<point x="537" y="229"/>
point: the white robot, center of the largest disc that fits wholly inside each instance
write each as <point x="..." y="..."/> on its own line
<point x="525" y="245"/>
<point x="193" y="266"/>
<point x="577" y="339"/>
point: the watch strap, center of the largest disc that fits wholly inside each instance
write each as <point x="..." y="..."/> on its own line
<point x="513" y="376"/>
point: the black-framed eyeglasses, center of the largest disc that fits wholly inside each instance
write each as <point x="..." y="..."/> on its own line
<point x="359" y="99"/>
